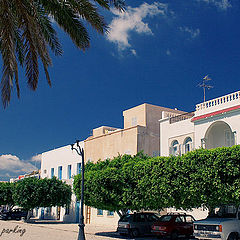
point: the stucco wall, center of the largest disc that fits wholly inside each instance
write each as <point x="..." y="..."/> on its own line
<point x="135" y="116"/>
<point x="110" y="145"/>
<point x="179" y="131"/>
<point x="231" y="118"/>
<point x="62" y="156"/>
<point x="104" y="219"/>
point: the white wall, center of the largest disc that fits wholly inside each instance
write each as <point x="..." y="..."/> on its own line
<point x="231" y="118"/>
<point x="168" y="131"/>
<point x="62" y="156"/>
<point x="197" y="213"/>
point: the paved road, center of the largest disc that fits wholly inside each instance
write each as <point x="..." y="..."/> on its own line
<point x="18" y="230"/>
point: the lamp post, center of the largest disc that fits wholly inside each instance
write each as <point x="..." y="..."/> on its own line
<point x="80" y="151"/>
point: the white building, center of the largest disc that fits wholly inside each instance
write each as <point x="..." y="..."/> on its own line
<point x="62" y="163"/>
<point x="215" y="123"/>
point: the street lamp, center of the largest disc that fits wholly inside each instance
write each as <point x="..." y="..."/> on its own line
<point x="80" y="151"/>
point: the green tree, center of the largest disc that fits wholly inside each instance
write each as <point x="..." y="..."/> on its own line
<point x="202" y="177"/>
<point x="6" y="191"/>
<point x="30" y="193"/>
<point x="27" y="30"/>
<point x="107" y="184"/>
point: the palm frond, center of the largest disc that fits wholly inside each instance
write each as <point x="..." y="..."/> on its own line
<point x="10" y="70"/>
<point x="27" y="32"/>
<point x="48" y="31"/>
<point x="68" y="20"/>
<point x="118" y="4"/>
<point x="88" y="12"/>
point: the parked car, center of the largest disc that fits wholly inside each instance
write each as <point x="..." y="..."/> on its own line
<point x="174" y="225"/>
<point x="136" y="224"/>
<point x="15" y="214"/>
<point x="223" y="223"/>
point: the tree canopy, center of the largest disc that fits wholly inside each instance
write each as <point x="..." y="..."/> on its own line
<point x="31" y="192"/>
<point x="199" y="178"/>
<point x="27" y="31"/>
<point x="6" y="190"/>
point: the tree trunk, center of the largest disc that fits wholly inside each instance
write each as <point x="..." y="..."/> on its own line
<point x="122" y="212"/>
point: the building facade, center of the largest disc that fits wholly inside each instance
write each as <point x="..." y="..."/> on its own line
<point x="140" y="133"/>
<point x="64" y="164"/>
<point x="215" y="123"/>
<point x="155" y="130"/>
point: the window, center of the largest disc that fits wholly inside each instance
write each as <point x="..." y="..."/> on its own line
<point x="69" y="171"/>
<point x="189" y="219"/>
<point x="109" y="213"/>
<point x="44" y="171"/>
<point x="139" y="218"/>
<point x="229" y="138"/>
<point x="179" y="219"/>
<point x="99" y="212"/>
<point x="174" y="150"/>
<point x="152" y="218"/>
<point x="48" y="211"/>
<point x="134" y="121"/>
<point x="52" y="172"/>
<point x="188" y="145"/>
<point x="78" y="168"/>
<point x="67" y="208"/>
<point x="60" y="172"/>
<point x="165" y="218"/>
<point x="155" y="154"/>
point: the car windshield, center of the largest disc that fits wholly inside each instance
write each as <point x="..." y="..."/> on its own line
<point x="225" y="211"/>
<point x="125" y="218"/>
<point x="165" y="218"/>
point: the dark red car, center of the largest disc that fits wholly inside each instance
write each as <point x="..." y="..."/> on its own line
<point x="174" y="225"/>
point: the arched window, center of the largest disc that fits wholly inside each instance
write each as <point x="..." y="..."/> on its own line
<point x="188" y="145"/>
<point x="175" y="148"/>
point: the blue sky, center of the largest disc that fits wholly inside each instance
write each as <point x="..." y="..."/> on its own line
<point x="156" y="52"/>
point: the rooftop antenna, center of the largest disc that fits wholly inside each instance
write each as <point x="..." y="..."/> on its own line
<point x="204" y="85"/>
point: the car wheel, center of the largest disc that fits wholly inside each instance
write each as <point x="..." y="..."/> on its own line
<point x="174" y="235"/>
<point x="134" y="233"/>
<point x="233" y="236"/>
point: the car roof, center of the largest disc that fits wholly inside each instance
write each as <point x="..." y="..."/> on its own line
<point x="177" y="214"/>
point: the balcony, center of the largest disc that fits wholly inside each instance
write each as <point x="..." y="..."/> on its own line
<point x="220" y="103"/>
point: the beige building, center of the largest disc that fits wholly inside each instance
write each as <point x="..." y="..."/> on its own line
<point x="140" y="132"/>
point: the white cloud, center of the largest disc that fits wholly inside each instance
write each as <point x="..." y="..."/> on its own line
<point x="11" y="165"/>
<point x="221" y="4"/>
<point x="133" y="51"/>
<point x="193" y="32"/>
<point x="132" y="21"/>
<point x="36" y="158"/>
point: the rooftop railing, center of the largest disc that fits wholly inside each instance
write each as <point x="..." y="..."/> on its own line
<point x="218" y="101"/>
<point x="181" y="117"/>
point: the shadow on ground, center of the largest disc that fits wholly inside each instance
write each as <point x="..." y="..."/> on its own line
<point x="116" y="235"/>
<point x="149" y="237"/>
<point x="38" y="221"/>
